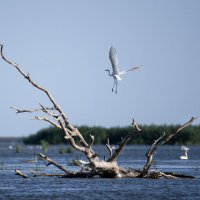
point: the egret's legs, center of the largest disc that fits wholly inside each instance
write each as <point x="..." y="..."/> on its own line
<point x="115" y="86"/>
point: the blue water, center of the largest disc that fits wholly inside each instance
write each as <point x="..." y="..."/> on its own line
<point x="166" y="159"/>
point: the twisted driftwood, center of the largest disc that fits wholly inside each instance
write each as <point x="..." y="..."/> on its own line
<point x="96" y="167"/>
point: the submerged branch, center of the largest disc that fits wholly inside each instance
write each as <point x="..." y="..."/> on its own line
<point x="18" y="172"/>
<point x="52" y="162"/>
<point x="45" y="174"/>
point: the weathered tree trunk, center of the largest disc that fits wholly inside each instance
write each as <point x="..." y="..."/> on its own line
<point x="102" y="168"/>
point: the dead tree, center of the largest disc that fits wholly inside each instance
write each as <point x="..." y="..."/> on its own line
<point x="96" y="167"/>
<point x="161" y="140"/>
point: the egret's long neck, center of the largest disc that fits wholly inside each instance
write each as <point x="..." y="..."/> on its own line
<point x="109" y="74"/>
<point x="186" y="154"/>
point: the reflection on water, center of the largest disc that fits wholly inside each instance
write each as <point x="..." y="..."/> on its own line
<point x="166" y="159"/>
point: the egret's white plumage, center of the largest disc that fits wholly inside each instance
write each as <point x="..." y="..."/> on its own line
<point x="116" y="73"/>
<point x="186" y="149"/>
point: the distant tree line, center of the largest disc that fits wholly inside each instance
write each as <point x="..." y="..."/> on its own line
<point x="189" y="136"/>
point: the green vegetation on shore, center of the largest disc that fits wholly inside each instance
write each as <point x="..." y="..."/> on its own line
<point x="189" y="136"/>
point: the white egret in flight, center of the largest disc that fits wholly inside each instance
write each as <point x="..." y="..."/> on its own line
<point x="116" y="74"/>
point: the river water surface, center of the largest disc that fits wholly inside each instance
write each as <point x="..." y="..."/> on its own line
<point x="166" y="159"/>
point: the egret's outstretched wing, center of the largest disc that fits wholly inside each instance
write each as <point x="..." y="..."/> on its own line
<point x="129" y="70"/>
<point x="134" y="68"/>
<point x="114" y="60"/>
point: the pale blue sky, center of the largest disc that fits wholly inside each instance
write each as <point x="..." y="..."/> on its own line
<point x="64" y="45"/>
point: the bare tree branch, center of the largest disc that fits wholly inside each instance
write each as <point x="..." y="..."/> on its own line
<point x="18" y="172"/>
<point x="179" y="129"/>
<point x="52" y="162"/>
<point x="45" y="174"/>
<point x="47" y="120"/>
<point x="69" y="130"/>
<point x="70" y="138"/>
<point x="46" y="110"/>
<point x="75" y="133"/>
<point x="135" y="125"/>
<point x="43" y="109"/>
<point x="120" y="148"/>
<point x="92" y="137"/>
<point x="150" y="155"/>
<point x="161" y="140"/>
<point x="25" y="110"/>
<point x="27" y="76"/>
<point x="109" y="147"/>
<point x="125" y="140"/>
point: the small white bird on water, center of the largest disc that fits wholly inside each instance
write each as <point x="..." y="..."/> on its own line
<point x="186" y="149"/>
<point x="116" y="74"/>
